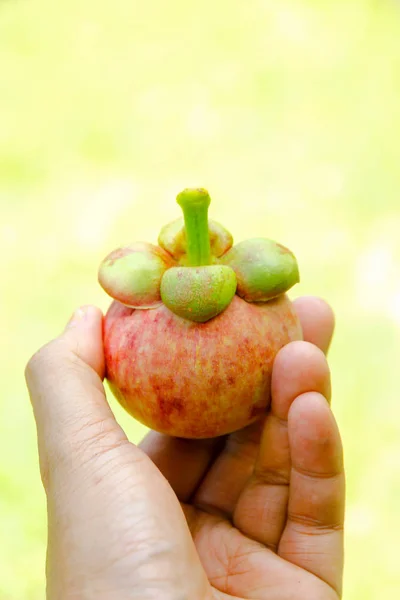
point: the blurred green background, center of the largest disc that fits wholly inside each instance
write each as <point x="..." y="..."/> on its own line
<point x="289" y="113"/>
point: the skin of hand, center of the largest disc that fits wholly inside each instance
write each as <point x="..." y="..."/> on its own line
<point x="255" y="515"/>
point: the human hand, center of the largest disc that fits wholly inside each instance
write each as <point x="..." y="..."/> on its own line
<point x="263" y="506"/>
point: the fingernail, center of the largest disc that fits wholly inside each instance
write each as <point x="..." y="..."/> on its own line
<point x="79" y="315"/>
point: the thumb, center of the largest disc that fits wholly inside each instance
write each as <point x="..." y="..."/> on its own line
<point x="83" y="337"/>
<point x="64" y="378"/>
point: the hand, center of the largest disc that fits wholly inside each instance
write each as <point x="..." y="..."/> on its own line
<point x="264" y="506"/>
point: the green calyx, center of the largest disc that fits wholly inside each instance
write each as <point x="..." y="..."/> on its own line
<point x="132" y="275"/>
<point x="198" y="293"/>
<point x="196" y="271"/>
<point x="172" y="238"/>
<point x="264" y="269"/>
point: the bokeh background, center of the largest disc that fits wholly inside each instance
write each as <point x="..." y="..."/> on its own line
<point x="289" y="113"/>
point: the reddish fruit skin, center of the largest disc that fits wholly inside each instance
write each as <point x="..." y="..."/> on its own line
<point x="196" y="380"/>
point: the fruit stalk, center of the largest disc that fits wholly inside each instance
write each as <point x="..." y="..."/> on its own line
<point x="194" y="204"/>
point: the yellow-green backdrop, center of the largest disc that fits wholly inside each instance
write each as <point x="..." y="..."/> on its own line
<point x="289" y="113"/>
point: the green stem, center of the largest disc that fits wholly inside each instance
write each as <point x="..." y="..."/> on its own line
<point x="194" y="204"/>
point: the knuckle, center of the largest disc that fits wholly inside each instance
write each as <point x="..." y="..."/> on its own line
<point x="90" y="440"/>
<point x="314" y="525"/>
<point x="44" y="467"/>
<point x="69" y="458"/>
<point x="40" y="360"/>
<point x="275" y="476"/>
